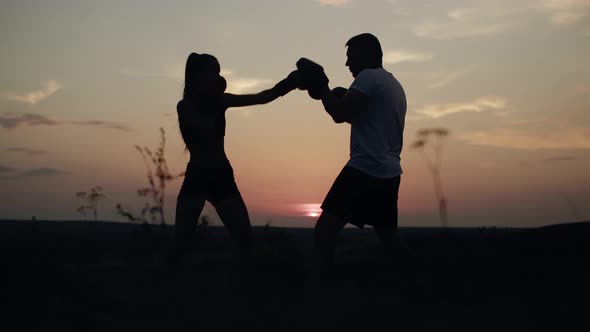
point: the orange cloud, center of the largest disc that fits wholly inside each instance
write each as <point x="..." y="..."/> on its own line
<point x="11" y="120"/>
<point x="235" y="83"/>
<point x="244" y="85"/>
<point x="42" y="171"/>
<point x="449" y="78"/>
<point x="477" y="105"/>
<point x="566" y="12"/>
<point x="480" y="20"/>
<point x="5" y="169"/>
<point x="562" y="137"/>
<point x="27" y="151"/>
<point x="452" y="30"/>
<point x="491" y="18"/>
<point x="551" y="160"/>
<point x="104" y="124"/>
<point x="397" y="56"/>
<point x="334" y="3"/>
<point x="50" y="87"/>
<point x="173" y="72"/>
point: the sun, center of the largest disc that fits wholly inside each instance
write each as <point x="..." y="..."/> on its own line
<point x="309" y="210"/>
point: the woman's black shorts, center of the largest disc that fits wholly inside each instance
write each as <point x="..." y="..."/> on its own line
<point x="215" y="182"/>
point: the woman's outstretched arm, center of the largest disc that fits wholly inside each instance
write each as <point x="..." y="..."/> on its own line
<point x="285" y="86"/>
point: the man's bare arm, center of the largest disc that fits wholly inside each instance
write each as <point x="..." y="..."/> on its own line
<point x="342" y="109"/>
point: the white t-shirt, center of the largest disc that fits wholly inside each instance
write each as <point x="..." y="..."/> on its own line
<point x="376" y="137"/>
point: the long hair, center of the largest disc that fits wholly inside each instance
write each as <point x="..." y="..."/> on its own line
<point x="195" y="65"/>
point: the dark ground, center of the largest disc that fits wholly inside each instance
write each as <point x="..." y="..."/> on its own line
<point x="82" y="276"/>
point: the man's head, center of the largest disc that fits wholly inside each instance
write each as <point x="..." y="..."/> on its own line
<point x="364" y="51"/>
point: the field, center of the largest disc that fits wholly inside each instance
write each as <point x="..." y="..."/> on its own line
<point x="85" y="276"/>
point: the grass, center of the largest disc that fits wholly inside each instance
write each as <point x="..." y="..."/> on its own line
<point x="71" y="277"/>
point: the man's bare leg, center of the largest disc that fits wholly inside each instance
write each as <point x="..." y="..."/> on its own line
<point x="325" y="233"/>
<point x="389" y="240"/>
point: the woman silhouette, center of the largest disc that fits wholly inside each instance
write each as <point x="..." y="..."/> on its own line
<point x="209" y="174"/>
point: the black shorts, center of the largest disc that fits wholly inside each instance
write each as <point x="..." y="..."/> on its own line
<point x="214" y="182"/>
<point x="362" y="199"/>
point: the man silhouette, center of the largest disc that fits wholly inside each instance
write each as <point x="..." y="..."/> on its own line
<point x="366" y="190"/>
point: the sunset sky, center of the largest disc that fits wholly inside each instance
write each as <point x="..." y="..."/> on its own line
<point x="81" y="82"/>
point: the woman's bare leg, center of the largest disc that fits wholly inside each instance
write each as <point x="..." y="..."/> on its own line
<point x="188" y="210"/>
<point x="234" y="215"/>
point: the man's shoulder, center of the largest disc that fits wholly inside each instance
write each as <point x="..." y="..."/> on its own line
<point x="374" y="72"/>
<point x="374" y="75"/>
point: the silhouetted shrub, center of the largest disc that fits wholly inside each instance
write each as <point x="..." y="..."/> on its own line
<point x="91" y="198"/>
<point x="158" y="175"/>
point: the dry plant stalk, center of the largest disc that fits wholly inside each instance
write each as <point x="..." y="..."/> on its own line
<point x="158" y="175"/>
<point x="91" y="198"/>
<point x="434" y="164"/>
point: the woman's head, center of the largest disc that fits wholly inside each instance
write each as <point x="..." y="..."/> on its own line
<point x="202" y="77"/>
